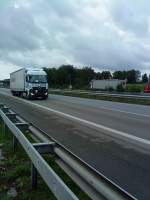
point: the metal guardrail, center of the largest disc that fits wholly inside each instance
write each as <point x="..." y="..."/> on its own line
<point x="129" y="96"/>
<point x="57" y="186"/>
<point x="93" y="183"/>
<point x="119" y="95"/>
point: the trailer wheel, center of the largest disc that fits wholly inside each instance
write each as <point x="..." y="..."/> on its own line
<point x="28" y="96"/>
<point x="21" y="94"/>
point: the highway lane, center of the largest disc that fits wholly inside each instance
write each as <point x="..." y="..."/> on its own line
<point x="108" y="105"/>
<point x="133" y="119"/>
<point x="117" y="160"/>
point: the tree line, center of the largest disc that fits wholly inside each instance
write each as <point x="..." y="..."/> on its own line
<point x="67" y="75"/>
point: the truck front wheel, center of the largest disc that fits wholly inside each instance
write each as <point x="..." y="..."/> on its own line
<point x="28" y="95"/>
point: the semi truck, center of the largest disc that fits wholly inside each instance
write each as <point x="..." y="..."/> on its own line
<point x="30" y="83"/>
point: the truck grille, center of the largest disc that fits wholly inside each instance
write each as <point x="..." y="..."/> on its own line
<point x="38" y="90"/>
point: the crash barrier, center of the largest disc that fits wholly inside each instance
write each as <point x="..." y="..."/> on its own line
<point x="138" y="96"/>
<point x="93" y="183"/>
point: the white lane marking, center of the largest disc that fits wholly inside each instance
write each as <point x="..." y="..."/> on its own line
<point x="126" y="112"/>
<point x="121" y="111"/>
<point x="109" y="130"/>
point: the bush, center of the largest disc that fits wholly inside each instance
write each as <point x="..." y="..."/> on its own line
<point x="120" y="88"/>
<point x="110" y="89"/>
<point x="133" y="88"/>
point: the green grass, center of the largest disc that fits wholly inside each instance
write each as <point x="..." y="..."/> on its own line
<point x="16" y="173"/>
<point x="139" y="87"/>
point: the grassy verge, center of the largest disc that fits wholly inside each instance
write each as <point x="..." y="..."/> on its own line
<point x="136" y="87"/>
<point x="106" y="98"/>
<point x="15" y="172"/>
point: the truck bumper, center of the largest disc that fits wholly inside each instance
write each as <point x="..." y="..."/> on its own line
<point x="39" y="93"/>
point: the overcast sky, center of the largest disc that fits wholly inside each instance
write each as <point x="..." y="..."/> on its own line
<point x="107" y="34"/>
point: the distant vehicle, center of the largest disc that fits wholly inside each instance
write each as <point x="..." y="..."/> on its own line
<point x="107" y="83"/>
<point x="147" y="88"/>
<point x="30" y="83"/>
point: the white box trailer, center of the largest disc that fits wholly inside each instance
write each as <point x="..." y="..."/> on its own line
<point x="106" y="84"/>
<point x="17" y="80"/>
<point x="29" y="82"/>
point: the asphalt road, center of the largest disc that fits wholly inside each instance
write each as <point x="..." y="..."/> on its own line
<point x="82" y="125"/>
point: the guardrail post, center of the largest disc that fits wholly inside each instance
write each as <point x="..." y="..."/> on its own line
<point x="15" y="142"/>
<point x="11" y="116"/>
<point x="22" y="126"/>
<point x="5" y="109"/>
<point x="45" y="148"/>
<point x="33" y="177"/>
<point x="1" y="106"/>
<point x="3" y="128"/>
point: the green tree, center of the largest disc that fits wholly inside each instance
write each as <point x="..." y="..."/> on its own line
<point x="52" y="76"/>
<point x="98" y="76"/>
<point x="144" y="78"/>
<point x="121" y="75"/>
<point x="120" y="88"/>
<point x="66" y="75"/>
<point x="106" y="75"/>
<point x="83" y="77"/>
<point x="133" y="76"/>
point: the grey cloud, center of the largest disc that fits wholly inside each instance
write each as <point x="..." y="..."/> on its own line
<point x="132" y="15"/>
<point x="18" y="30"/>
<point x="99" y="32"/>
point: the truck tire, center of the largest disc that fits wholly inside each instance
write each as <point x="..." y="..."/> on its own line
<point x="28" y="96"/>
<point x="19" y="94"/>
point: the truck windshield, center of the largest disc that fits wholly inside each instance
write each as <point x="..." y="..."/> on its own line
<point x="37" y="79"/>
